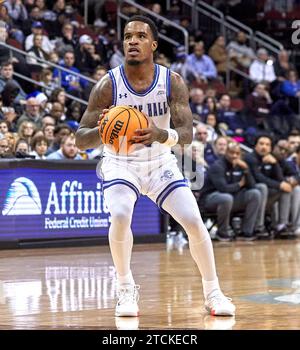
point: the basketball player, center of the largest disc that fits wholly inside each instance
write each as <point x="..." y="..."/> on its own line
<point x="161" y="95"/>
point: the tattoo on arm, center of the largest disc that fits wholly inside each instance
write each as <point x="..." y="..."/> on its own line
<point x="87" y="135"/>
<point x="181" y="114"/>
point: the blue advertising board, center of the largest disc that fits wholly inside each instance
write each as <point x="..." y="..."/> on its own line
<point x="39" y="203"/>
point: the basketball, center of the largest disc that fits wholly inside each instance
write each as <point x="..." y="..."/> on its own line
<point x="118" y="126"/>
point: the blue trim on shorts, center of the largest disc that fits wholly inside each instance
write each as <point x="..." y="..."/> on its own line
<point x="170" y="188"/>
<point x="107" y="184"/>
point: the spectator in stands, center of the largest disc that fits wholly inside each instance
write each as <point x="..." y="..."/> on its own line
<point x="68" y="150"/>
<point x="201" y="65"/>
<point x="35" y="15"/>
<point x="49" y="84"/>
<point x="291" y="88"/>
<point x="72" y="83"/>
<point x="282" y="65"/>
<point x="22" y="149"/>
<point x="48" y="120"/>
<point x="162" y="59"/>
<point x="74" y="112"/>
<point x="41" y="5"/>
<point x="36" y="52"/>
<point x="37" y="29"/>
<point x="4" y="127"/>
<point x="240" y="53"/>
<point x="4" y="147"/>
<point x="98" y="74"/>
<point x="9" y="115"/>
<point x="293" y="142"/>
<point x="18" y="60"/>
<point x="180" y="65"/>
<point x="211" y="92"/>
<point x="68" y="41"/>
<point x="59" y="95"/>
<point x="210" y="106"/>
<point x="219" y="55"/>
<point x="39" y="146"/>
<point x="48" y="131"/>
<point x="84" y="61"/>
<point x="197" y="101"/>
<point x="228" y="116"/>
<point x="230" y="187"/>
<point x="220" y="145"/>
<point x="262" y="68"/>
<point x="9" y="94"/>
<point x="257" y="107"/>
<point x="212" y="127"/>
<point x="104" y="44"/>
<point x="265" y="169"/>
<point x="7" y="71"/>
<point x="25" y="130"/>
<point x="201" y="135"/>
<point x="57" y="112"/>
<point x="11" y="138"/>
<point x="290" y="209"/>
<point x="117" y="56"/>
<point x="32" y="112"/>
<point x="59" y="132"/>
<point x="294" y="161"/>
<point x="13" y="30"/>
<point x="53" y="57"/>
<point x="17" y="11"/>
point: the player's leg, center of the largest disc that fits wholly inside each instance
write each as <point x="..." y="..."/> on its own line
<point x="120" y="200"/>
<point x="188" y="216"/>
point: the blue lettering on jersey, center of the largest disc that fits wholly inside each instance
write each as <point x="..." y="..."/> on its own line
<point x="149" y="109"/>
<point x="139" y="107"/>
<point x="153" y="109"/>
<point x="125" y="95"/>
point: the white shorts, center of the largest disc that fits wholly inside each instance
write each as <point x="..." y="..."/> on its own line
<point x="155" y="179"/>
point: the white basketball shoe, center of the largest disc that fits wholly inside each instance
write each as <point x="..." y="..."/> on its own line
<point x="128" y="298"/>
<point x="217" y="304"/>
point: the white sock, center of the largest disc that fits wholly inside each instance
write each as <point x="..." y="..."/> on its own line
<point x="120" y="200"/>
<point x="126" y="279"/>
<point x="202" y="253"/>
<point x="188" y="216"/>
<point x="209" y="286"/>
<point x="121" y="254"/>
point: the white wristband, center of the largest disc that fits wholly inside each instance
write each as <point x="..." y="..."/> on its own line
<point x="172" y="139"/>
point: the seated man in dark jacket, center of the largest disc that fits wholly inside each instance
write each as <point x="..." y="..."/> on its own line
<point x="230" y="187"/>
<point x="291" y="210"/>
<point x="266" y="169"/>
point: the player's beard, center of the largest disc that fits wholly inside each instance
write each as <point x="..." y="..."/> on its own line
<point x="133" y="62"/>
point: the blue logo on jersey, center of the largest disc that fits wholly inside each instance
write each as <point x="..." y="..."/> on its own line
<point x="121" y="96"/>
<point x="167" y="175"/>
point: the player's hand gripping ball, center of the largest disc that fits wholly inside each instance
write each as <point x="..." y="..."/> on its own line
<point x="118" y="126"/>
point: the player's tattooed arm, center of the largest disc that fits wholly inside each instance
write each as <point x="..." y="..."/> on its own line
<point x="87" y="135"/>
<point x="181" y="113"/>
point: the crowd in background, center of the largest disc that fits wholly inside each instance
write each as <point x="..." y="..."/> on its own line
<point x="39" y="121"/>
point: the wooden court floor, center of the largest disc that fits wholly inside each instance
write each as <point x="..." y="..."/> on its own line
<point x="74" y="288"/>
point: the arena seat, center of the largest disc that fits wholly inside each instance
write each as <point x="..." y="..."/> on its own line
<point x="14" y="43"/>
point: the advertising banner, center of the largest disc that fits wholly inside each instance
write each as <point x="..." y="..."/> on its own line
<point x="38" y="203"/>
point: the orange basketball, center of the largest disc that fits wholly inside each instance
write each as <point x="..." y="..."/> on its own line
<point x="118" y="126"/>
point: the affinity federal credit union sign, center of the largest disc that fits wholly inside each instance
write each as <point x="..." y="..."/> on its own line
<point x="58" y="203"/>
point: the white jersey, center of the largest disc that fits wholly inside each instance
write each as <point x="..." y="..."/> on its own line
<point x="154" y="102"/>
